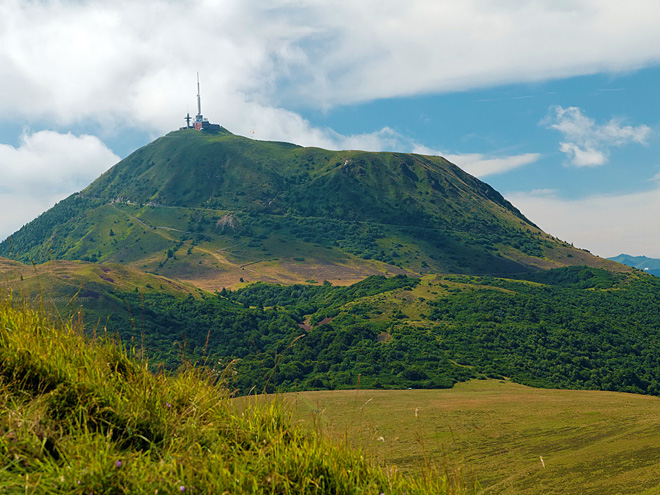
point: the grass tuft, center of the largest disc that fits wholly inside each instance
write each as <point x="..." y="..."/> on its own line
<point x="84" y="417"/>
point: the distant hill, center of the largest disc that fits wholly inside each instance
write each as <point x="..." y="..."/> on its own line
<point x="61" y="281"/>
<point x="219" y="209"/>
<point x="63" y="288"/>
<point x="649" y="265"/>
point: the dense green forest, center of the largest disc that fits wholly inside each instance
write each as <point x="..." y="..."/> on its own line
<point x="573" y="327"/>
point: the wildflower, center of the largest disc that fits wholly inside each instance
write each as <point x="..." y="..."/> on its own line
<point x="118" y="464"/>
<point x="182" y="488"/>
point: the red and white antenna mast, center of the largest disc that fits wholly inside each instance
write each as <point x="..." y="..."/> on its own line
<point x="199" y="99"/>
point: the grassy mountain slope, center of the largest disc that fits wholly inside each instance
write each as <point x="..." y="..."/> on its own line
<point x="81" y="418"/>
<point x="71" y="411"/>
<point x="214" y="209"/>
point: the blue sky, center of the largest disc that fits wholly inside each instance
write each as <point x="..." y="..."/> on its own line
<point x="555" y="103"/>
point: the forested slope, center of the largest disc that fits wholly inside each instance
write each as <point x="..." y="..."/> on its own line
<point x="574" y="327"/>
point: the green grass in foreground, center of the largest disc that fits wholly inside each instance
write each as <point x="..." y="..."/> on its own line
<point x="84" y="418"/>
<point x="513" y="439"/>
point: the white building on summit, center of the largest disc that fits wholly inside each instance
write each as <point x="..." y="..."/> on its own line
<point x="200" y="123"/>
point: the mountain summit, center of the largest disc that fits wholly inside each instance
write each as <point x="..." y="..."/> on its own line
<point x="217" y="209"/>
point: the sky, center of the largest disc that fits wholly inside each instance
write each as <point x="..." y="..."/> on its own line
<point x="554" y="103"/>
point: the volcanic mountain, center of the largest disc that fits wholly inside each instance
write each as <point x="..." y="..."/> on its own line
<point x="218" y="209"/>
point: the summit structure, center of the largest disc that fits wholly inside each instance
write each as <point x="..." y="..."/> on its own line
<point x="200" y="123"/>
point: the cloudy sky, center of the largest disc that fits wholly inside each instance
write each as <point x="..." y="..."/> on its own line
<point x="555" y="103"/>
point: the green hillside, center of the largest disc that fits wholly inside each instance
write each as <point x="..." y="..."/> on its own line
<point x="64" y="287"/>
<point x="79" y="417"/>
<point x="215" y="209"/>
<point x="573" y="327"/>
<point x="569" y="328"/>
<point x="398" y="271"/>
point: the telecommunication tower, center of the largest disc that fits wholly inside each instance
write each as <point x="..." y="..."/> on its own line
<point x="200" y="123"/>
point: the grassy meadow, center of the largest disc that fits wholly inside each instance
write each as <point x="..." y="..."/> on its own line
<point x="504" y="437"/>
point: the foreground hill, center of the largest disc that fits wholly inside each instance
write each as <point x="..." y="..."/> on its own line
<point x="79" y="418"/>
<point x="215" y="209"/>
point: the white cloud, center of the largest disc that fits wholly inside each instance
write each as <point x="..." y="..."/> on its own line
<point x="543" y="192"/>
<point x="480" y="166"/>
<point x="386" y="139"/>
<point x="389" y="48"/>
<point x="125" y="61"/>
<point x="278" y="124"/>
<point x="45" y="168"/>
<point x="588" y="144"/>
<point x="607" y="225"/>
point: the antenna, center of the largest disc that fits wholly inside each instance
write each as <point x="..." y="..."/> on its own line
<point x="199" y="98"/>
